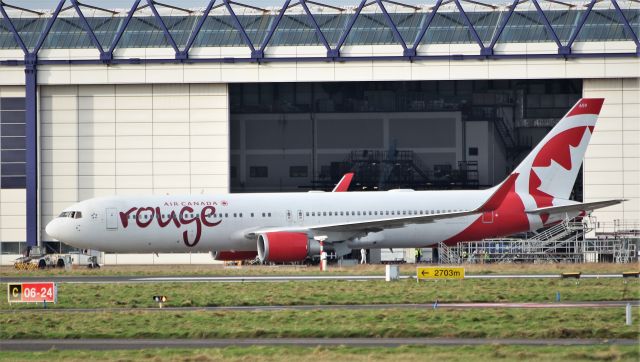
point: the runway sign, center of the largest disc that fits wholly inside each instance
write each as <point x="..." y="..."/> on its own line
<point x="436" y="272"/>
<point x="32" y="292"/>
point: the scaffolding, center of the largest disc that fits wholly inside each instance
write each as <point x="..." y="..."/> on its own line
<point x="566" y="242"/>
<point x="392" y="169"/>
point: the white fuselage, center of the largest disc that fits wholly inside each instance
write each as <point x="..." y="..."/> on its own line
<point x="220" y="222"/>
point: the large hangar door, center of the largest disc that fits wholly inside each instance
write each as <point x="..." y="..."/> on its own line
<point x="294" y="152"/>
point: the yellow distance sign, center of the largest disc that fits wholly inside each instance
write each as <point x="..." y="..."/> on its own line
<point x="438" y="272"/>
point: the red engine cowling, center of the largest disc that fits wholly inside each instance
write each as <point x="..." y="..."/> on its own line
<point x="233" y="255"/>
<point x="283" y="247"/>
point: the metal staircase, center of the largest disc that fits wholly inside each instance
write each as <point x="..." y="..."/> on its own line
<point x="565" y="242"/>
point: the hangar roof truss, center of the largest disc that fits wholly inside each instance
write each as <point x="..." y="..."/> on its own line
<point x="412" y="28"/>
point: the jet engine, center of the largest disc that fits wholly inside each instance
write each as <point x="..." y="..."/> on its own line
<point x="233" y="255"/>
<point x="286" y="247"/>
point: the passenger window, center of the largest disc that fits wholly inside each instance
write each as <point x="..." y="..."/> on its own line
<point x="263" y="214"/>
<point x="269" y="214"/>
<point x="307" y="214"/>
<point x="330" y="213"/>
<point x="251" y="214"/>
<point x="324" y="213"/>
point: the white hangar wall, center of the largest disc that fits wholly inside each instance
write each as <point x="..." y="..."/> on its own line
<point x="131" y="140"/>
<point x="612" y="162"/>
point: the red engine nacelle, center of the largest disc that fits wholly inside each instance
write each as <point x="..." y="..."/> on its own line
<point x="233" y="255"/>
<point x="284" y="247"/>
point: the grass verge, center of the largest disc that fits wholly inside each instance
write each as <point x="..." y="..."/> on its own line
<point x="407" y="353"/>
<point x="139" y="295"/>
<point x="468" y="323"/>
<point x="406" y="269"/>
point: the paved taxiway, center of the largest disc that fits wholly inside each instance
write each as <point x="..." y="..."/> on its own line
<point x="114" y="344"/>
<point x="260" y="308"/>
<point x="259" y="278"/>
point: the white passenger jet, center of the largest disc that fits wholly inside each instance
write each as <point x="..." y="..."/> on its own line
<point x="285" y="227"/>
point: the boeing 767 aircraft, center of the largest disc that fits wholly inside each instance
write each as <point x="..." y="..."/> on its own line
<point x="286" y="227"/>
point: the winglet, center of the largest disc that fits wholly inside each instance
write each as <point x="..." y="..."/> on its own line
<point x="498" y="196"/>
<point x="343" y="184"/>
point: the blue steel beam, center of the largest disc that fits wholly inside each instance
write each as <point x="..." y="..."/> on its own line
<point x="451" y="57"/>
<point x="272" y="30"/>
<point x="13" y="30"/>
<point x="547" y="24"/>
<point x="196" y="31"/>
<point x="47" y="28"/>
<point x="470" y="27"/>
<point x="87" y="27"/>
<point x="392" y="25"/>
<point x="336" y="51"/>
<point x="164" y="28"/>
<point x="31" y="132"/>
<point x="108" y="56"/>
<point x="583" y="20"/>
<point x="426" y="25"/>
<point x="501" y="28"/>
<point x="312" y="18"/>
<point x="626" y="24"/>
<point x="239" y="27"/>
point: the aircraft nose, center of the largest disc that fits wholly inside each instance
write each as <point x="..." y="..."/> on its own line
<point x="53" y="229"/>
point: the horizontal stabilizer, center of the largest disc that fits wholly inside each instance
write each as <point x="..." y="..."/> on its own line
<point x="585" y="206"/>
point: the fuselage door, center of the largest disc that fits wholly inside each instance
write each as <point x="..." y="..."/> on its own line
<point x="112" y="219"/>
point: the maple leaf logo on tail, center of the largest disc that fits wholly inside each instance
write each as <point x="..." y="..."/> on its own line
<point x="551" y="169"/>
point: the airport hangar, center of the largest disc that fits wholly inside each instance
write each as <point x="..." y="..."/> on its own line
<point x="231" y="97"/>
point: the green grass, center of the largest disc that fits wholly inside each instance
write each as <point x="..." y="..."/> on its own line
<point x="427" y="322"/>
<point x="139" y="295"/>
<point x="406" y="269"/>
<point x="317" y="354"/>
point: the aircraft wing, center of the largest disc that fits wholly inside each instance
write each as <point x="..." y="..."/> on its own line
<point x="583" y="206"/>
<point x="359" y="227"/>
<point x="364" y="226"/>
<point x="389" y="223"/>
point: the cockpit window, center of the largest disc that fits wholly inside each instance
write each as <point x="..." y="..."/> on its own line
<point x="71" y="214"/>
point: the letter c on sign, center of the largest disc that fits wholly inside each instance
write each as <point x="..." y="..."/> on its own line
<point x="15" y="292"/>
